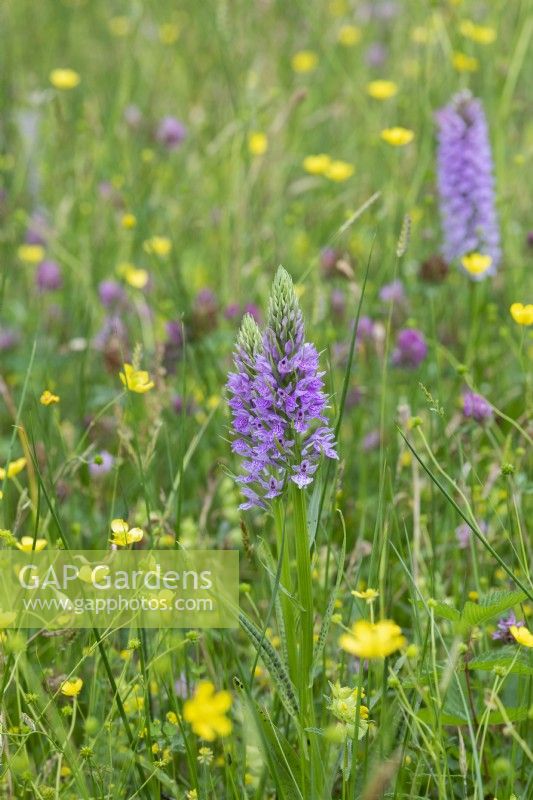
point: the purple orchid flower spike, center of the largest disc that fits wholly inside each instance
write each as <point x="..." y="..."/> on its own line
<point x="465" y="182"/>
<point x="277" y="401"/>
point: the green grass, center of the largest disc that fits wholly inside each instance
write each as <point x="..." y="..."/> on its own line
<point x="451" y="714"/>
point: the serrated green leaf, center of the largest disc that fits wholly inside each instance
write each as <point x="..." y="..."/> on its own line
<point x="489" y="606"/>
<point x="519" y="662"/>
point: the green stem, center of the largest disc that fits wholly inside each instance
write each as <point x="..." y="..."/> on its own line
<point x="305" y="596"/>
<point x="286" y="580"/>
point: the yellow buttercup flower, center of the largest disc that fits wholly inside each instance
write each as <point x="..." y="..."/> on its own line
<point x="369" y="595"/>
<point x="463" y="63"/>
<point x="12" y="469"/>
<point x="481" y="34"/>
<point x="382" y="90"/>
<point x="158" y="245"/>
<point x="128" y="221"/>
<point x="206" y="712"/>
<point x="26" y="544"/>
<point x="339" y="171"/>
<point x="123" y="535"/>
<point x="522" y="314"/>
<point x="373" y="639"/>
<point x="398" y="136"/>
<point x="349" y="35"/>
<point x="64" y="79"/>
<point x="136" y="380"/>
<point x="138" y="278"/>
<point x="522" y="635"/>
<point x="48" y="399"/>
<point x="257" y="143"/>
<point x="476" y="263"/>
<point x="317" y="165"/>
<point x="72" y="688"/>
<point x="304" y="61"/>
<point x="31" y="253"/>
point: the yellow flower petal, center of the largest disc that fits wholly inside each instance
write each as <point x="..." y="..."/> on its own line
<point x="304" y="61"/>
<point x="522" y="314"/>
<point x="138" y="278"/>
<point x="317" y="165"/>
<point x="481" y="34"/>
<point x="372" y="640"/>
<point x="26" y="544"/>
<point x="339" y="171"/>
<point x="72" y="688"/>
<point x="64" y="79"/>
<point x="382" y="90"/>
<point x="398" y="136"/>
<point x="476" y="263"/>
<point x="257" y="143"/>
<point x="205" y="712"/>
<point x="349" y="35"/>
<point x="48" y="399"/>
<point x="136" y="380"/>
<point x="522" y="635"/>
<point x="158" y="245"/>
<point x="119" y="526"/>
<point x="463" y="63"/>
<point x="31" y="253"/>
<point x="13" y="468"/>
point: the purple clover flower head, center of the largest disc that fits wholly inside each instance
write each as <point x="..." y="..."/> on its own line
<point x="392" y="292"/>
<point x="101" y="464"/>
<point x="277" y="401"/>
<point x="111" y="293"/>
<point x="48" y="277"/>
<point x="465" y="182"/>
<point x="171" y="133"/>
<point x="411" y="348"/>
<point x="476" y="407"/>
<point x="503" y="629"/>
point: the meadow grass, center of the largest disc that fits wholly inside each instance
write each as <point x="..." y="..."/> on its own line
<point x="162" y="234"/>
